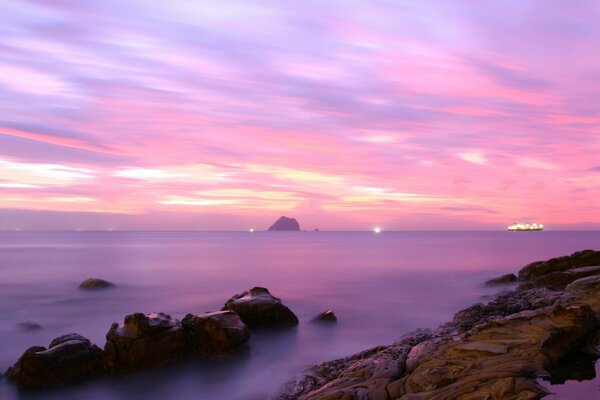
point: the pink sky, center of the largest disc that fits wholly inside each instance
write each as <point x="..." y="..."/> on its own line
<point x="346" y="115"/>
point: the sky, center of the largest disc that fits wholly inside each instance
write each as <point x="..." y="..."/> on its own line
<point x="225" y="115"/>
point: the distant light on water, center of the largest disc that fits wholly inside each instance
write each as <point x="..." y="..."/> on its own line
<point x="377" y="229"/>
<point x="251" y="230"/>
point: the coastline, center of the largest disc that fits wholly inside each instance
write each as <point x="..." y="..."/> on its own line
<point x="500" y="350"/>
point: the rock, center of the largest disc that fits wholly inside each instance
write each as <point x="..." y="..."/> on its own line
<point x="215" y="333"/>
<point x="69" y="358"/>
<point x="95" y="283"/>
<point x="502" y="280"/>
<point x="584" y="258"/>
<point x="495" y="351"/>
<point x="560" y="279"/>
<point x="325" y="317"/>
<point x="259" y="309"/>
<point x="506" y="303"/>
<point x="145" y="341"/>
<point x="29" y="326"/>
<point x="285" y="224"/>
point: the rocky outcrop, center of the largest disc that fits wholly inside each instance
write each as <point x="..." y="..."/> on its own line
<point x="325" y="317"/>
<point x="259" y="309"/>
<point x="215" y="333"/>
<point x="68" y="358"/>
<point x="95" y="283"/>
<point x="285" y="224"/>
<point x="502" y="280"/>
<point x="143" y="341"/>
<point x="584" y="258"/>
<point x="546" y="329"/>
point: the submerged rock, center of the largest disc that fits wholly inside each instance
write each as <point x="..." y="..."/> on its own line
<point x="325" y="317"/>
<point x="69" y="358"/>
<point x="144" y="341"/>
<point x="285" y="224"/>
<point x="259" y="309"/>
<point x="215" y="333"/>
<point x="502" y="280"/>
<point x="96" y="283"/>
<point x="29" y="326"/>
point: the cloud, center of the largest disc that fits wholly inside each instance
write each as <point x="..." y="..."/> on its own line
<point x="473" y="157"/>
<point x="367" y="107"/>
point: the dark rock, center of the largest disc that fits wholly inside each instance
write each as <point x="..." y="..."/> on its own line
<point x="326" y="316"/>
<point x="577" y="366"/>
<point x="560" y="279"/>
<point x="29" y="326"/>
<point x="215" y="333"/>
<point x="584" y="258"/>
<point x="95" y="283"/>
<point x="69" y="358"/>
<point x="145" y="341"/>
<point x="285" y="224"/>
<point x="259" y="309"/>
<point x="502" y="280"/>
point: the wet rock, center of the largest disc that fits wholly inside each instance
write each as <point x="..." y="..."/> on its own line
<point x="29" y="326"/>
<point x="502" y="280"/>
<point x="584" y="258"/>
<point x="69" y="358"/>
<point x="325" y="317"/>
<point x="285" y="224"/>
<point x="95" y="283"/>
<point x="215" y="333"/>
<point x="144" y="341"/>
<point x="259" y="309"/>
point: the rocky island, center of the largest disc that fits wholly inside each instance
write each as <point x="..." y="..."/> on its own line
<point x="546" y="329"/>
<point x="285" y="224"/>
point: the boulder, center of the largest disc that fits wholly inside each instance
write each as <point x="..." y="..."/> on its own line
<point x="95" y="283"/>
<point x="215" y="333"/>
<point x="145" y="341"/>
<point x="502" y="280"/>
<point x="285" y="224"/>
<point x="259" y="309"/>
<point x="69" y="358"/>
<point x="325" y="317"/>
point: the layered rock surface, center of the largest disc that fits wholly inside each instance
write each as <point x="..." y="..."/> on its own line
<point x="500" y="350"/>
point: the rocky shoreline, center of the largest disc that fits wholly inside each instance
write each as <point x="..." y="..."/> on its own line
<point x="500" y="350"/>
<point x="505" y="349"/>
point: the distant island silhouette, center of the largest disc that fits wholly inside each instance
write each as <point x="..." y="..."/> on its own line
<point x="285" y="224"/>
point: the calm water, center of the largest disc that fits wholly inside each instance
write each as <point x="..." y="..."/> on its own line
<point x="380" y="286"/>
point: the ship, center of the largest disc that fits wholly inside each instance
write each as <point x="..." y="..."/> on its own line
<point x="514" y="227"/>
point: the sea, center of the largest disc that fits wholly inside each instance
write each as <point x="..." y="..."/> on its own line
<point x="381" y="286"/>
